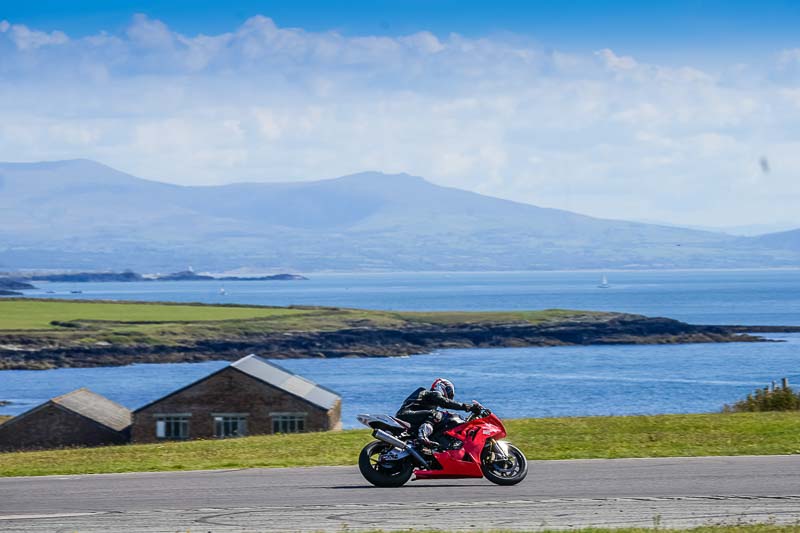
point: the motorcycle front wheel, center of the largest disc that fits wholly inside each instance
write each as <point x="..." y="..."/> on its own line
<point x="383" y="473"/>
<point x="508" y="470"/>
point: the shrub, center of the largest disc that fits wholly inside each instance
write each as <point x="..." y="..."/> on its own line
<point x="62" y="324"/>
<point x="775" y="399"/>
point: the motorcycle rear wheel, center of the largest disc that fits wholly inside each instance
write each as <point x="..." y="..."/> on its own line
<point x="508" y="471"/>
<point x="380" y="474"/>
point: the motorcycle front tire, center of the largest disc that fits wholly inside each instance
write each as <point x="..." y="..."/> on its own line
<point x="378" y="475"/>
<point x="497" y="471"/>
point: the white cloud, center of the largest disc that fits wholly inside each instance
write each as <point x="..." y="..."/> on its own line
<point x="26" y="39"/>
<point x="614" y="62"/>
<point x="792" y="96"/>
<point x="789" y="57"/>
<point x="149" y="33"/>
<point x="599" y="132"/>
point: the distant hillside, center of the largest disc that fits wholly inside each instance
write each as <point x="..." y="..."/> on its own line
<point x="83" y="215"/>
<point x="786" y="240"/>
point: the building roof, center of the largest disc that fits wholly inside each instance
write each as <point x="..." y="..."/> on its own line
<point x="283" y="379"/>
<point x="273" y="375"/>
<point x="95" y="407"/>
<point x="87" y="404"/>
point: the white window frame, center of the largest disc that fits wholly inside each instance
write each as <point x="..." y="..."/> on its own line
<point x="220" y="421"/>
<point x="288" y="422"/>
<point x="183" y="421"/>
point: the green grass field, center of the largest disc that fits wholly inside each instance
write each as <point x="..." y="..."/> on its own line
<point x="29" y="314"/>
<point x="61" y="333"/>
<point x="547" y="438"/>
<point x="473" y="317"/>
<point x="38" y="314"/>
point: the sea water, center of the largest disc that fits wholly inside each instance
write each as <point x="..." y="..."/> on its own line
<point x="515" y="382"/>
<point x="709" y="297"/>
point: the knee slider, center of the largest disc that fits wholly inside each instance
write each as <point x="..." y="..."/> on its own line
<point x="425" y="430"/>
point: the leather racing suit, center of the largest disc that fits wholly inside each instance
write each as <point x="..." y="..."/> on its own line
<point x="421" y="410"/>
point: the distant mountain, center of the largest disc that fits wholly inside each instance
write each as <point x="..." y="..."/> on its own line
<point x="83" y="215"/>
<point x="752" y="230"/>
<point x="784" y="240"/>
<point x="749" y="230"/>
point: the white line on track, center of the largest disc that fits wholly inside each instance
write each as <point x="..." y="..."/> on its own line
<point x="40" y="516"/>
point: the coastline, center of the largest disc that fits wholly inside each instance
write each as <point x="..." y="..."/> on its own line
<point x="320" y="332"/>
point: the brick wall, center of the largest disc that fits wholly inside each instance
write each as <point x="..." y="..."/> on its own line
<point x="55" y="427"/>
<point x="335" y="417"/>
<point x="230" y="391"/>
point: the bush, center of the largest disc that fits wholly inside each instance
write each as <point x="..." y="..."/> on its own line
<point x="766" y="399"/>
<point x="62" y="324"/>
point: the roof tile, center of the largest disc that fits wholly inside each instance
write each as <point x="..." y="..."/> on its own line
<point x="283" y="379"/>
<point x="96" y="407"/>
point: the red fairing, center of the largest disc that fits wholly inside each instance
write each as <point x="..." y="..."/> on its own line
<point x="466" y="462"/>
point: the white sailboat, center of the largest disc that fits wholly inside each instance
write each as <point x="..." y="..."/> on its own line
<point x="222" y="291"/>
<point x="604" y="283"/>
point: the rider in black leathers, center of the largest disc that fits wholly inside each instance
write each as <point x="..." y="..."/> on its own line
<point x="421" y="408"/>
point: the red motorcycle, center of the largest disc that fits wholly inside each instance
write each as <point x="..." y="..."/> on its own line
<point x="470" y="448"/>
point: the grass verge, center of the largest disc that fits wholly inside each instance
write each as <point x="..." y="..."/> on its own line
<point x="545" y="438"/>
<point x="750" y="528"/>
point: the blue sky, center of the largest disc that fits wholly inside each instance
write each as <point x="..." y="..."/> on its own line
<point x="639" y="110"/>
<point x="702" y="26"/>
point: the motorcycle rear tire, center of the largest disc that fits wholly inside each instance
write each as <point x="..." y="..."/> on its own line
<point x="487" y="467"/>
<point x="379" y="477"/>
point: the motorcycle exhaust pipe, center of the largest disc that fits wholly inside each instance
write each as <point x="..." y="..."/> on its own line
<point x="400" y="445"/>
<point x="388" y="438"/>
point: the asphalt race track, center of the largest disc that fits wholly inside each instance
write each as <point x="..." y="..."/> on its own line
<point x="673" y="492"/>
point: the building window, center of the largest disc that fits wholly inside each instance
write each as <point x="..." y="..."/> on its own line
<point x="230" y="425"/>
<point x="288" y="422"/>
<point x="172" y="427"/>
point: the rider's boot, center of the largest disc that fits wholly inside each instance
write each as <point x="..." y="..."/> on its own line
<point x="424" y="435"/>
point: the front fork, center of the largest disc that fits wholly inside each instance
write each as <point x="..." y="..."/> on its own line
<point x="499" y="448"/>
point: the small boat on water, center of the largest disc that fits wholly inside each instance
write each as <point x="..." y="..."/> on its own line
<point x="76" y="292"/>
<point x="604" y="283"/>
<point x="222" y="291"/>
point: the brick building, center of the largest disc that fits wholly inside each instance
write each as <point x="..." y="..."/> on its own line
<point x="79" y="418"/>
<point x="249" y="397"/>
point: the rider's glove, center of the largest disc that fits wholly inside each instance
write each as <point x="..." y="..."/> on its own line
<point x="476" y="408"/>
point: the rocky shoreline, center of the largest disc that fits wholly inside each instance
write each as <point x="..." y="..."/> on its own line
<point x="763" y="329"/>
<point x="20" y="351"/>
